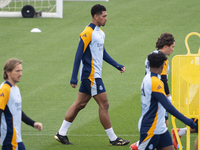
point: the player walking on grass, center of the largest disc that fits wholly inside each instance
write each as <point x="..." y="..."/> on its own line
<point x="151" y="125"/>
<point x="11" y="112"/>
<point x="91" y="53"/>
<point x="165" y="44"/>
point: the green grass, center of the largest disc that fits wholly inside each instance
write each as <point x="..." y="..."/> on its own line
<point x="131" y="32"/>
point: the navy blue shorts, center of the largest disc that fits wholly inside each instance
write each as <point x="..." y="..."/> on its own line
<point x="92" y="88"/>
<point x="20" y="146"/>
<point x="156" y="141"/>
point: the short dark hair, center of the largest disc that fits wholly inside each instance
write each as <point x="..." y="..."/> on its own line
<point x="97" y="9"/>
<point x="165" y="39"/>
<point x="156" y="59"/>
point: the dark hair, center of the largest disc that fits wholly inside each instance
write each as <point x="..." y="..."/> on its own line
<point x="156" y="59"/>
<point x="165" y="39"/>
<point x="97" y="9"/>
<point x="10" y="65"/>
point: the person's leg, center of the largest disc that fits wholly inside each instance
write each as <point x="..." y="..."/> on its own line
<point x="79" y="104"/>
<point x="182" y="132"/>
<point x="196" y="144"/>
<point x="72" y="112"/>
<point x="102" y="101"/>
<point x="134" y="146"/>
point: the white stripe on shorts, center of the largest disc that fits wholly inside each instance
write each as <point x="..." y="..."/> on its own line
<point x="143" y="145"/>
<point x="94" y="89"/>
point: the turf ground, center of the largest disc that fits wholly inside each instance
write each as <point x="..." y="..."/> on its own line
<point x="132" y="29"/>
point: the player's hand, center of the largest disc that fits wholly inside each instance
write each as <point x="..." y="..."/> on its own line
<point x="38" y="126"/>
<point x="122" y="69"/>
<point x="74" y="85"/>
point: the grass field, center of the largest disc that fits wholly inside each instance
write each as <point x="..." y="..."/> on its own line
<point x="132" y="29"/>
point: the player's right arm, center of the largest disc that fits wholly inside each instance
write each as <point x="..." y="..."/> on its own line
<point x="77" y="60"/>
<point x="85" y="39"/>
<point x="172" y="110"/>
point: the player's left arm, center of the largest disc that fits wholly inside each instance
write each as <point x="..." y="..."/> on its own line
<point x="159" y="94"/>
<point x="30" y="122"/>
<point x="172" y="110"/>
<point x="108" y="59"/>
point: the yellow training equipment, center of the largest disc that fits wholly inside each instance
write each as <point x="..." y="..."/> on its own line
<point x="186" y="87"/>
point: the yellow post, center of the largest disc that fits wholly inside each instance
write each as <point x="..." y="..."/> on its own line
<point x="176" y="133"/>
<point x="188" y="138"/>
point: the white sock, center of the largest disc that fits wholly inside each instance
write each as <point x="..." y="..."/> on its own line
<point x="182" y="131"/>
<point x="64" y="127"/>
<point x="112" y="136"/>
